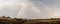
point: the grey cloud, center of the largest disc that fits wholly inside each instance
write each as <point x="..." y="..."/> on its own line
<point x="12" y="7"/>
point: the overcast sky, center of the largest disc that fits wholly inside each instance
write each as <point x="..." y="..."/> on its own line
<point x="30" y="8"/>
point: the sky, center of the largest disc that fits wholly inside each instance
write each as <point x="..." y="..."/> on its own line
<point x="35" y="9"/>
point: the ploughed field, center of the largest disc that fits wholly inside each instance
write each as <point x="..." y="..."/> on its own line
<point x="43" y="21"/>
<point x="30" y="21"/>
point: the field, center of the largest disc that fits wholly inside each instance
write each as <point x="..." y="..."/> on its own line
<point x="30" y="21"/>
